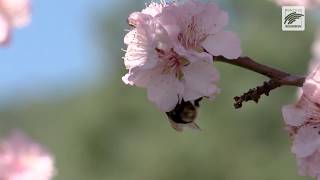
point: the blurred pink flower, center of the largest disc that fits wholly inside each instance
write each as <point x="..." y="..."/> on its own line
<point x="13" y="13"/>
<point x="166" y="54"/>
<point x="22" y="159"/>
<point x="316" y="46"/>
<point x="303" y="123"/>
<point x="305" y="3"/>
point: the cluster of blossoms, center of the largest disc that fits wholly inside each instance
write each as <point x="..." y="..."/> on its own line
<point x="303" y="123"/>
<point x="170" y="51"/>
<point x="22" y="159"/>
<point x="305" y="3"/>
<point x="13" y="13"/>
<point x="303" y="119"/>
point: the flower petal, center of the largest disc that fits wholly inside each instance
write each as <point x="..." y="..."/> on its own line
<point x="225" y="44"/>
<point x="200" y="81"/>
<point x="18" y="11"/>
<point x="138" y="18"/>
<point x="311" y="87"/>
<point x="164" y="91"/>
<point x="141" y="49"/>
<point x="218" y="18"/>
<point x="140" y="77"/>
<point x="192" y="55"/>
<point x="154" y="9"/>
<point x="293" y="116"/>
<point x="4" y="30"/>
<point x="307" y="141"/>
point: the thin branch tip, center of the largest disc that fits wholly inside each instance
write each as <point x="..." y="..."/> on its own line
<point x="256" y="93"/>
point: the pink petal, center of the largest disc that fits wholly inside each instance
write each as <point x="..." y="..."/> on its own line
<point x="22" y="159"/>
<point x="293" y="116"/>
<point x="200" y="80"/>
<point x="311" y="4"/>
<point x="314" y="165"/>
<point x="192" y="55"/>
<point x="307" y="141"/>
<point x="303" y="166"/>
<point x="316" y="45"/>
<point x="141" y="49"/>
<point x="4" y="30"/>
<point x="138" y="18"/>
<point x="154" y="9"/>
<point x="225" y="44"/>
<point x="310" y="166"/>
<point x="218" y="18"/>
<point x="18" y="11"/>
<point x="164" y="91"/>
<point x="311" y="87"/>
<point x="140" y="77"/>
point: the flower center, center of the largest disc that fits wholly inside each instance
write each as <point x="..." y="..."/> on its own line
<point x="192" y="36"/>
<point x="172" y="62"/>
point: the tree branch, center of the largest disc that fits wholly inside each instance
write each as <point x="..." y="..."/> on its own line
<point x="256" y="93"/>
<point x="277" y="77"/>
<point x="282" y="77"/>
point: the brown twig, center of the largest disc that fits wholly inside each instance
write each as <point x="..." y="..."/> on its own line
<point x="277" y="77"/>
<point x="256" y="93"/>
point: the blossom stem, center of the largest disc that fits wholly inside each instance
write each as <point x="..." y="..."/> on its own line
<point x="279" y="76"/>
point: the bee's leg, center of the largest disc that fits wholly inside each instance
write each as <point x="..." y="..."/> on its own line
<point x="197" y="102"/>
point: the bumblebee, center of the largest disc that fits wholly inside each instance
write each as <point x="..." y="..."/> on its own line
<point x="185" y="113"/>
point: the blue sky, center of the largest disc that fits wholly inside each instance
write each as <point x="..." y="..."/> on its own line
<point x="53" y="52"/>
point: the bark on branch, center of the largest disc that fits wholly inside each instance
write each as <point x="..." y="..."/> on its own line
<point x="277" y="77"/>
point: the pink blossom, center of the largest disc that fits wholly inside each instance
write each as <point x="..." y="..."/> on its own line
<point x="166" y="53"/>
<point x="306" y="3"/>
<point x="4" y="29"/>
<point x="197" y="26"/>
<point x="22" y="159"/>
<point x="303" y="123"/>
<point x="316" y="47"/>
<point x="13" y="13"/>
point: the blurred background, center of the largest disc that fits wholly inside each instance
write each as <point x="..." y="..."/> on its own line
<point x="60" y="82"/>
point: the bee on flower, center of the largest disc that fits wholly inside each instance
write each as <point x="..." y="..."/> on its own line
<point x="170" y="52"/>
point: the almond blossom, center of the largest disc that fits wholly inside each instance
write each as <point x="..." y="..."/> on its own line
<point x="316" y="47"/>
<point x="13" y="13"/>
<point x="305" y="3"/>
<point x="170" y="51"/>
<point x="303" y="124"/>
<point x="22" y="159"/>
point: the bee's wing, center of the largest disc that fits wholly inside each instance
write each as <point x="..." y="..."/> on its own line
<point x="194" y="126"/>
<point x="179" y="127"/>
<point x="176" y="126"/>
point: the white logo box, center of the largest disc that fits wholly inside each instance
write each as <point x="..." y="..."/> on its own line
<point x="293" y="18"/>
